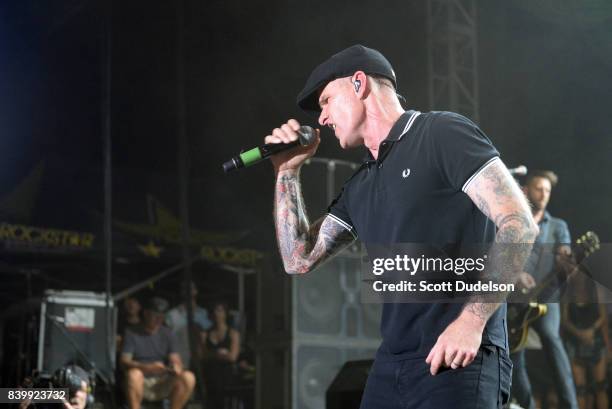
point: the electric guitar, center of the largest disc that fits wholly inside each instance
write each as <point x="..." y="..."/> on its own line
<point x="522" y="314"/>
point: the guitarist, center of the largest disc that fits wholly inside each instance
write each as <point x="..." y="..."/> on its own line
<point x="552" y="242"/>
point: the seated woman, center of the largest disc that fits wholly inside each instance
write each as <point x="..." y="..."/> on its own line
<point x="585" y="325"/>
<point x="221" y="348"/>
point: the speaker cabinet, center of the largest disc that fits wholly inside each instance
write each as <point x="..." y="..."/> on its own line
<point x="308" y="327"/>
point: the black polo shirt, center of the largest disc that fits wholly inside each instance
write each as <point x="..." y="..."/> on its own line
<point x="415" y="193"/>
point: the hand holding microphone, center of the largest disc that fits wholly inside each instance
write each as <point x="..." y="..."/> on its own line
<point x="288" y="148"/>
<point x="293" y="158"/>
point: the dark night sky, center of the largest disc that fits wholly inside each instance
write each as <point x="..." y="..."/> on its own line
<point x="544" y="87"/>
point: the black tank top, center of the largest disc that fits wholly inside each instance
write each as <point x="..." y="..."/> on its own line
<point x="224" y="343"/>
<point x="583" y="315"/>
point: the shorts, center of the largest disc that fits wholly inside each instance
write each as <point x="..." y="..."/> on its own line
<point x="156" y="388"/>
<point x="408" y="384"/>
<point x="584" y="354"/>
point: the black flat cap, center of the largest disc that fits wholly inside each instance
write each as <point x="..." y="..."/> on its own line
<point x="343" y="64"/>
<point x="156" y="304"/>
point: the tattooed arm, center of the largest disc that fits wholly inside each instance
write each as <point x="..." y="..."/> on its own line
<point x="303" y="246"/>
<point x="498" y="196"/>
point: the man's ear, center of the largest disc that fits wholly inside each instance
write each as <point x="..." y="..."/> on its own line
<point x="360" y="83"/>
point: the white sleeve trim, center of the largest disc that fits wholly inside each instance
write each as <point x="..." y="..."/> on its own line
<point x="467" y="183"/>
<point x="343" y="224"/>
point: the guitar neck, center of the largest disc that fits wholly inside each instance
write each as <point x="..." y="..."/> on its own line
<point x="584" y="247"/>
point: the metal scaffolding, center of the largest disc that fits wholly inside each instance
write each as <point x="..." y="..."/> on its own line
<point x="452" y="56"/>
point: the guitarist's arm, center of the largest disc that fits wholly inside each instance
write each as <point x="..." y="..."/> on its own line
<point x="565" y="263"/>
<point x="563" y="259"/>
<point x="565" y="250"/>
<point x="526" y="280"/>
<point x="565" y="267"/>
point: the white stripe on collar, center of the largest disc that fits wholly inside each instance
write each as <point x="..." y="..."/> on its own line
<point x="409" y="124"/>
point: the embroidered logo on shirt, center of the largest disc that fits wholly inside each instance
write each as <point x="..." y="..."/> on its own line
<point x="406" y="173"/>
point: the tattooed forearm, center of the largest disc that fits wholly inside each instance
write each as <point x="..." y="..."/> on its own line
<point x="331" y="239"/>
<point x="515" y="227"/>
<point x="481" y="203"/>
<point x="499" y="197"/>
<point x="290" y="217"/>
<point x="481" y="310"/>
<point x="303" y="246"/>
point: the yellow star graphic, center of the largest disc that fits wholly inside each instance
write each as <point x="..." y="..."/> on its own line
<point x="150" y="249"/>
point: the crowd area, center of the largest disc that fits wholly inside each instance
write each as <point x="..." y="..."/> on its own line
<point x="161" y="359"/>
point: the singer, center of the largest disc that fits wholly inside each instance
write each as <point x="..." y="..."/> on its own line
<point x="428" y="178"/>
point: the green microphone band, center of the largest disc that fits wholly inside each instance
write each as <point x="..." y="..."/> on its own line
<point x="250" y="157"/>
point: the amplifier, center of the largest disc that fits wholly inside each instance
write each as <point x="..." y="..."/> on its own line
<point x="74" y="329"/>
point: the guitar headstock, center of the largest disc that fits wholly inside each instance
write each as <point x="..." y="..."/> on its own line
<point x="586" y="245"/>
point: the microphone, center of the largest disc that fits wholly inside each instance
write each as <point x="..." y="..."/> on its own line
<point x="518" y="171"/>
<point x="258" y="154"/>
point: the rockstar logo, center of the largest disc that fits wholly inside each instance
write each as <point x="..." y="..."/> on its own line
<point x="150" y="249"/>
<point x="165" y="227"/>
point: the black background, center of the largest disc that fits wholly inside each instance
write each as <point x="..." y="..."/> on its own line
<point x="545" y="96"/>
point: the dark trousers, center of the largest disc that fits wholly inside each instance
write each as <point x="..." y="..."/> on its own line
<point x="219" y="375"/>
<point x="408" y="384"/>
<point x="560" y="369"/>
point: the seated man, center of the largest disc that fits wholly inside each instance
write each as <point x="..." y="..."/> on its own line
<point x="154" y="370"/>
<point x="129" y="315"/>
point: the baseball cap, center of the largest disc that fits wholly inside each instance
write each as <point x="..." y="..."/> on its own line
<point x="156" y="304"/>
<point x="343" y="64"/>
